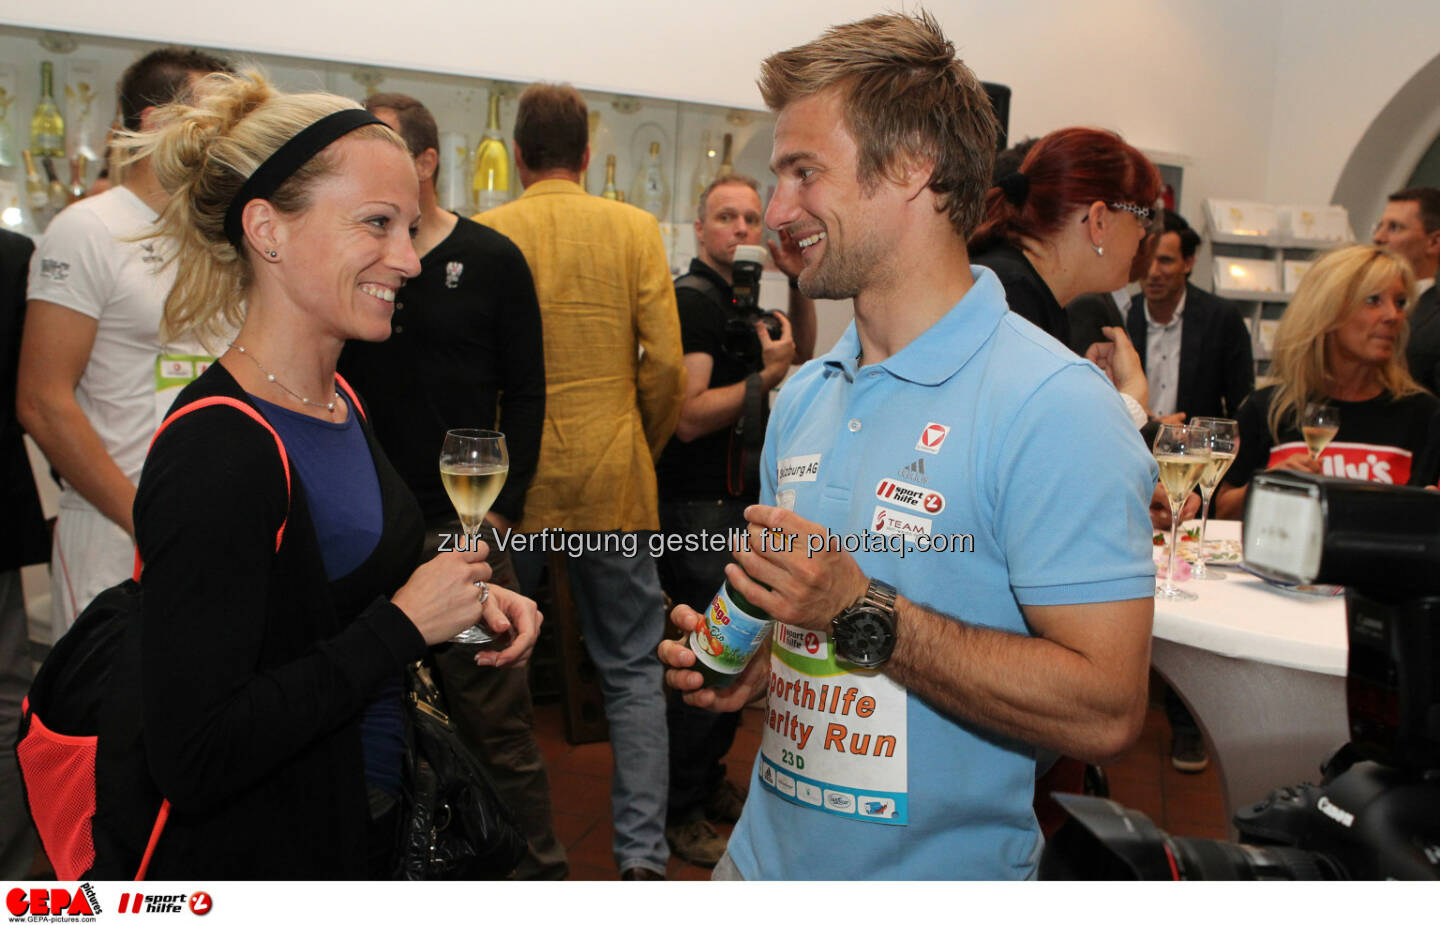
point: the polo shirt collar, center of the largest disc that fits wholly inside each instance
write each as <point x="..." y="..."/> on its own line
<point x="943" y="348"/>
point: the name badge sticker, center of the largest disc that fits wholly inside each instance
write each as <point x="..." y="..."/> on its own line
<point x="798" y="469"/>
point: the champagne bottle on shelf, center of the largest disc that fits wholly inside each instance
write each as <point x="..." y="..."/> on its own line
<point x="705" y="169"/>
<point x="47" y="128"/>
<point x="36" y="196"/>
<point x="54" y="189"/>
<point x="651" y="191"/>
<point x="609" y="192"/>
<point x="492" y="163"/>
<point x="77" y="178"/>
<point x="727" y="166"/>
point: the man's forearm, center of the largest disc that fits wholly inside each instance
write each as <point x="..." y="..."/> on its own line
<point x="710" y="411"/>
<point x="70" y="443"/>
<point x="1026" y="687"/>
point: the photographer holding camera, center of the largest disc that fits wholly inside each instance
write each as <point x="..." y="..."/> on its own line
<point x="735" y="353"/>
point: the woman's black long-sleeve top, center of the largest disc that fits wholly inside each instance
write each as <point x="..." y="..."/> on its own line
<point x="253" y="669"/>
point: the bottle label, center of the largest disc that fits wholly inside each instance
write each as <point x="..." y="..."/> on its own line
<point x="728" y="636"/>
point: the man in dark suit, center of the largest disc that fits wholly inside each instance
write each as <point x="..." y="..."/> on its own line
<point x="1194" y="346"/>
<point x="1411" y="228"/>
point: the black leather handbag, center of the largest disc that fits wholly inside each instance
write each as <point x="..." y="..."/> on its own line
<point x="454" y="825"/>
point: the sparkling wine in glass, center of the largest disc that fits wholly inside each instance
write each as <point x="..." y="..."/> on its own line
<point x="1182" y="452"/>
<point x="1319" y="423"/>
<point x="473" y="467"/>
<point x="1224" y="442"/>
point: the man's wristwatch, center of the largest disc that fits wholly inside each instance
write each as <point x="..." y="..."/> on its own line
<point x="864" y="633"/>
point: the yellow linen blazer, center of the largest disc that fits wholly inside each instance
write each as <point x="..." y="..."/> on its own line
<point x="614" y="373"/>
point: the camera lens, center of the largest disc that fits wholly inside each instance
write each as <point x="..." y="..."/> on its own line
<point x="1103" y="840"/>
<point x="1207" y="859"/>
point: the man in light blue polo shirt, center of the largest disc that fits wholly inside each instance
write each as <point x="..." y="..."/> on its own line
<point x="953" y="529"/>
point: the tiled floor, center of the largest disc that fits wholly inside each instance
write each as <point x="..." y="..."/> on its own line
<point x="1181" y="804"/>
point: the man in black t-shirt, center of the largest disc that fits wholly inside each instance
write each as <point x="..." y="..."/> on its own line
<point x="465" y="350"/>
<point x="709" y="473"/>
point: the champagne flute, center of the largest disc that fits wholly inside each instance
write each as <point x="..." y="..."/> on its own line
<point x="1182" y="452"/>
<point x="1224" y="444"/>
<point x="473" y="466"/>
<point x="1319" y="422"/>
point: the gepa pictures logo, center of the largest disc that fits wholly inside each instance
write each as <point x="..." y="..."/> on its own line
<point x="46" y="903"/>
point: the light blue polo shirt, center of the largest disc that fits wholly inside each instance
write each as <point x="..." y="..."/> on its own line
<point x="981" y="468"/>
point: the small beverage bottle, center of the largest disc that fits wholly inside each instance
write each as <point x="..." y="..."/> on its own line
<point x="732" y="630"/>
<point x="609" y="192"/>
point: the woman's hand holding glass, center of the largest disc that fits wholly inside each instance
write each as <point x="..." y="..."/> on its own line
<point x="441" y="597"/>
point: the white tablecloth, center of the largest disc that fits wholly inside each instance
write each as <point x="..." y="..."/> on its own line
<point x="1243" y="617"/>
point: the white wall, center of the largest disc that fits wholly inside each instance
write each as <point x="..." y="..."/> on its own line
<point x="1267" y="98"/>
<point x="1095" y="63"/>
<point x="1339" y="64"/>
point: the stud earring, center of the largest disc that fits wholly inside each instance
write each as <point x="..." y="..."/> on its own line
<point x="272" y="254"/>
<point x="1099" y="251"/>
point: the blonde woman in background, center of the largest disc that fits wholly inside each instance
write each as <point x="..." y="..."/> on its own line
<point x="1340" y="342"/>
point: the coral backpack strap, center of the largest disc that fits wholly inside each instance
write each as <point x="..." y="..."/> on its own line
<point x="259" y="418"/>
<point x="354" y="399"/>
<point x="280" y="535"/>
<point x="163" y="815"/>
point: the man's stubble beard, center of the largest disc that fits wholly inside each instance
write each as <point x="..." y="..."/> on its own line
<point x="843" y="275"/>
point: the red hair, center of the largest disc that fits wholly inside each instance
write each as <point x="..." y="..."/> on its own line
<point x="1065" y="171"/>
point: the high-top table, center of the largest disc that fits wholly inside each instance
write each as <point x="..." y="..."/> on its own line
<point x="1262" y="671"/>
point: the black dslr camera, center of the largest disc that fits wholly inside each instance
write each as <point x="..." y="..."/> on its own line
<point x="740" y="339"/>
<point x="1376" y="812"/>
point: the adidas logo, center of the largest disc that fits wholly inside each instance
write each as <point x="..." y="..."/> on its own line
<point x="915" y="472"/>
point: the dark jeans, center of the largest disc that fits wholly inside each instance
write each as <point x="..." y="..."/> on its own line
<point x="493" y="714"/>
<point x="699" y="739"/>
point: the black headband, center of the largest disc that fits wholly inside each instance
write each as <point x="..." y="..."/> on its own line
<point x="287" y="159"/>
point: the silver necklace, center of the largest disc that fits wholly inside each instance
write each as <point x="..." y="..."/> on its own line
<point x="270" y="377"/>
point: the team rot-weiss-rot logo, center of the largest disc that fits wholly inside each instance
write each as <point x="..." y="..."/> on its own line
<point x="932" y="437"/>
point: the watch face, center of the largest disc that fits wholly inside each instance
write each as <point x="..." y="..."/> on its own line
<point x="864" y="637"/>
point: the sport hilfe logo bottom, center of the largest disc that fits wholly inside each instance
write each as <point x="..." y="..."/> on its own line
<point x="198" y="902"/>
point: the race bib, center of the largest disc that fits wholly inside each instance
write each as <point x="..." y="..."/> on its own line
<point x="835" y="737"/>
<point x="174" y="371"/>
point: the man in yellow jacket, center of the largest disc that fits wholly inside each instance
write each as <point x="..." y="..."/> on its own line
<point x="614" y="386"/>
